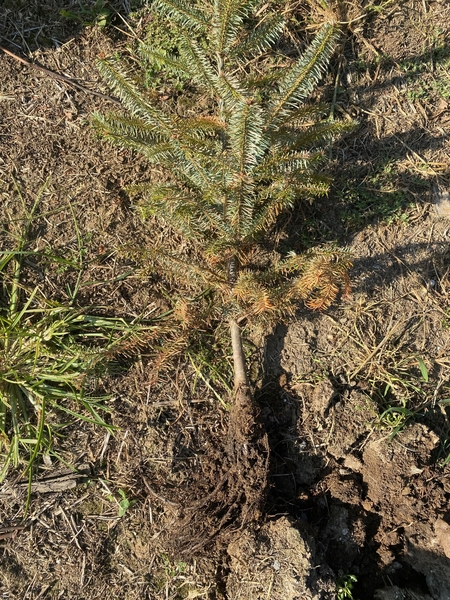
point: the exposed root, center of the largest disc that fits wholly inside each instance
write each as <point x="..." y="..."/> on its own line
<point x="230" y="491"/>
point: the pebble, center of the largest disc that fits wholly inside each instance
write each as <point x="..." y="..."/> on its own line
<point x="441" y="199"/>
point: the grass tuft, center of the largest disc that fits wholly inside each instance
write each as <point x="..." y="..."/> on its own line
<point x="51" y="356"/>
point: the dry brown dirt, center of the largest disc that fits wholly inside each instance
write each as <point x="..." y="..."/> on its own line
<point x="341" y="494"/>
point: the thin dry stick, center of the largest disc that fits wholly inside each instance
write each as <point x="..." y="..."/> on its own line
<point x="59" y="77"/>
<point x="160" y="498"/>
<point x="9" y="531"/>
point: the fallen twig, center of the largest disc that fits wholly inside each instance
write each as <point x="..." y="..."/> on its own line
<point x="59" y="77"/>
<point x="10" y="531"/>
<point x="58" y="482"/>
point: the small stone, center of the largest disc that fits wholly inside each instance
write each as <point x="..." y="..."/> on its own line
<point x="351" y="462"/>
<point x="415" y="470"/>
<point x="367" y="505"/>
<point x="441" y="199"/>
<point x="442" y="530"/>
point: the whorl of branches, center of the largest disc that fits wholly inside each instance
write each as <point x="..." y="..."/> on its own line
<point x="230" y="174"/>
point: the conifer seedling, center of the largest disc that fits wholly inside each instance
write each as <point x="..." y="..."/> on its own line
<point x="253" y="151"/>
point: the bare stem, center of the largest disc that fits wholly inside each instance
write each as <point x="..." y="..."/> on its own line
<point x="240" y="369"/>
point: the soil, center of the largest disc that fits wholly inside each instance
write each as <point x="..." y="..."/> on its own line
<point x="352" y="403"/>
